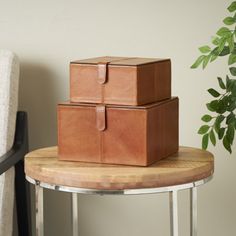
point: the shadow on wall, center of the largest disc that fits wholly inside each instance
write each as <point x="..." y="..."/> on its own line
<point x="38" y="95"/>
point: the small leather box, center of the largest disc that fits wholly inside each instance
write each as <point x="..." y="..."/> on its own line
<point x="120" y="80"/>
<point x="118" y="134"/>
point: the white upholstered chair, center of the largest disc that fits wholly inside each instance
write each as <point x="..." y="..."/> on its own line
<point x="13" y="146"/>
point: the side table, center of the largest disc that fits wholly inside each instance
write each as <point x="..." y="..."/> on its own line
<point x="187" y="169"/>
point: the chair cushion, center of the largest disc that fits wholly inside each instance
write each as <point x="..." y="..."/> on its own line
<point x="9" y="80"/>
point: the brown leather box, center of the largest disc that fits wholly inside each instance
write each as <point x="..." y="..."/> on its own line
<point x="118" y="134"/>
<point x="120" y="80"/>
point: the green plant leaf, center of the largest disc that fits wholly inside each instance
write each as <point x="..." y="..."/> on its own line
<point x="205" y="49"/>
<point x="234" y="51"/>
<point x="213" y="58"/>
<point x="231" y="107"/>
<point x="232" y="59"/>
<point x="208" y="105"/>
<point x="215" y="40"/>
<point x="215" y="51"/>
<point x="232" y="7"/>
<point x="224" y="52"/>
<point x="198" y="62"/>
<point x="213" y="105"/>
<point x="230" y="118"/>
<point x="229" y="84"/>
<point x="207" y="118"/>
<point x="213" y="137"/>
<point x="205" y="140"/>
<point x="227" y="144"/>
<point x="230" y="41"/>
<point x="221" y="133"/>
<point x="230" y="133"/>
<point x="218" y="122"/>
<point x="233" y="88"/>
<point x="221" y="83"/>
<point x="221" y="108"/>
<point x="232" y="71"/>
<point x="229" y="20"/>
<point x="223" y="32"/>
<point x="232" y="98"/>
<point x="203" y="129"/>
<point x="213" y="92"/>
<point x="205" y="61"/>
<point x="222" y="45"/>
<point x="225" y="101"/>
<point x="227" y="80"/>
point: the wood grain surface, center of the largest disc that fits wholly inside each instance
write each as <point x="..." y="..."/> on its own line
<point x="188" y="165"/>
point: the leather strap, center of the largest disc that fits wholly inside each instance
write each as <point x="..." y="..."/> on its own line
<point x="101" y="126"/>
<point x="101" y="117"/>
<point x="103" y="69"/>
<point x="102" y="72"/>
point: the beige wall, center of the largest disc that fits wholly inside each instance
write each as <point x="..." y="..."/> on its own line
<point x="48" y="34"/>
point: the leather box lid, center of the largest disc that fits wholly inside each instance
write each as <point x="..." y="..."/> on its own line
<point x="148" y="106"/>
<point x="122" y="61"/>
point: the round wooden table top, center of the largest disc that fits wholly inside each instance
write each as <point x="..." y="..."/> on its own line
<point x="186" y="166"/>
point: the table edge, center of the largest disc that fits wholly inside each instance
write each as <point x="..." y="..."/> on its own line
<point x="139" y="191"/>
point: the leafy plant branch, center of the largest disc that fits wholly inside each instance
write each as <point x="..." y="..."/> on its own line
<point x="222" y="124"/>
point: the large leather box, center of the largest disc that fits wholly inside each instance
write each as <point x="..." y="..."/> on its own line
<point x="118" y="134"/>
<point x="120" y="80"/>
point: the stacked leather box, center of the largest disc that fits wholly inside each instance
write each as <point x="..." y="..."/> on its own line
<point x="120" y="112"/>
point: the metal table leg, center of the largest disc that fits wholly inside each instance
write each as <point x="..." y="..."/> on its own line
<point x="75" y="214"/>
<point x="173" y="213"/>
<point x="193" y="211"/>
<point x="39" y="210"/>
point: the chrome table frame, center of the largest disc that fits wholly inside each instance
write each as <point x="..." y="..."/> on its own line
<point x="173" y="201"/>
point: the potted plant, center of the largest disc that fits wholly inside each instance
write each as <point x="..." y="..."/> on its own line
<point x="220" y="122"/>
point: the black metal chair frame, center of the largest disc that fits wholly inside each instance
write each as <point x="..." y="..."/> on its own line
<point x="15" y="157"/>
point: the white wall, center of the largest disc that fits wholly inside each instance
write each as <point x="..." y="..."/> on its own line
<point x="47" y="35"/>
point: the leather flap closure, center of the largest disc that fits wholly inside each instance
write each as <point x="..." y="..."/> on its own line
<point x="102" y="72"/>
<point x="101" y="117"/>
